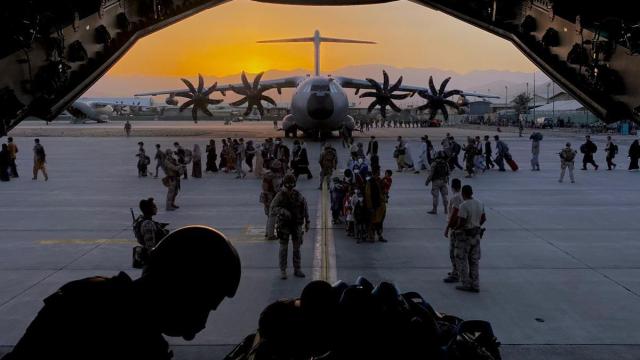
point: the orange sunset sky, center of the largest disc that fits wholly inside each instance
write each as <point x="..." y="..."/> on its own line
<point x="222" y="41"/>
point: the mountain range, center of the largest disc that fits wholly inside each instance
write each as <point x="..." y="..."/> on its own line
<point x="491" y="82"/>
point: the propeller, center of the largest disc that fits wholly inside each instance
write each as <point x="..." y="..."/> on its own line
<point x="252" y="94"/>
<point x="438" y="98"/>
<point x="384" y="95"/>
<point x="198" y="97"/>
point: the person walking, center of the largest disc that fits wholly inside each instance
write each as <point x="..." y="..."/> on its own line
<point x="488" y="153"/>
<point x="589" y="148"/>
<point x="173" y="171"/>
<point x="471" y="217"/>
<point x="39" y="160"/>
<point x="250" y="154"/>
<point x="300" y="161"/>
<point x="372" y="147"/>
<point x="612" y="151"/>
<point x="439" y="177"/>
<point x="290" y="211"/>
<point x="567" y="158"/>
<point x="535" y="150"/>
<point x="196" y="167"/>
<point x="212" y="157"/>
<point x="455" y="150"/>
<point x="634" y="155"/>
<point x="13" y="153"/>
<point x="159" y="158"/>
<point x="240" y="158"/>
<point x="143" y="160"/>
<point x="127" y="128"/>
<point x="469" y="157"/>
<point x="400" y="153"/>
<point x="328" y="163"/>
<point x="183" y="160"/>
<point x="502" y="151"/>
<point x="454" y="206"/>
<point x="5" y="161"/>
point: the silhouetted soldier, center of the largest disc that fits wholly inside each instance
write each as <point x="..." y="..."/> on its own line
<point x="188" y="275"/>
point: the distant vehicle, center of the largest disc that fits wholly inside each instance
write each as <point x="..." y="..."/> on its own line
<point x="544" y="123"/>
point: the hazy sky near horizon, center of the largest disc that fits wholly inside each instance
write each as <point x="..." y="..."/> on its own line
<point x="222" y="41"/>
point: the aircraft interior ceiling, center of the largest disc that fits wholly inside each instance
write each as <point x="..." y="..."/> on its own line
<point x="54" y="50"/>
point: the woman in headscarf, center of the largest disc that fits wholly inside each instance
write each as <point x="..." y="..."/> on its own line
<point x="634" y="155"/>
<point x="300" y="162"/>
<point x="196" y="171"/>
<point x="258" y="169"/>
<point x="223" y="156"/>
<point x="212" y="156"/>
<point x="5" y="160"/>
<point x="231" y="154"/>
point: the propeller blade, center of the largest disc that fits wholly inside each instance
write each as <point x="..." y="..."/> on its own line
<point x="357" y="91"/>
<point x="185" y="95"/>
<point x="443" y="85"/>
<point x="189" y="85"/>
<point x="451" y="93"/>
<point x="269" y="100"/>
<point x="214" y="101"/>
<point x="369" y="94"/>
<point x="206" y="111"/>
<point x="224" y="93"/>
<point x="260" y="109"/>
<point x="246" y="83"/>
<point x="396" y="86"/>
<point x="432" y="87"/>
<point x="399" y="96"/>
<point x="279" y="91"/>
<point x="423" y="107"/>
<point x="432" y="114"/>
<point x="383" y="111"/>
<point x="375" y="85"/>
<point x="385" y="76"/>
<point x="372" y="106"/>
<point x="240" y="91"/>
<point x="452" y="104"/>
<point x="211" y="89"/>
<point x="256" y="81"/>
<point x="186" y="105"/>
<point x="239" y="102"/>
<point x="249" y="108"/>
<point x="194" y="114"/>
<point x="445" y="113"/>
<point x="394" y="107"/>
<point x="200" y="83"/>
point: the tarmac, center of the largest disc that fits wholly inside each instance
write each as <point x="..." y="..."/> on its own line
<point x="559" y="274"/>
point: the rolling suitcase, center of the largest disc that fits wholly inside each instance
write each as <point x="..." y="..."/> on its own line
<point x="512" y="164"/>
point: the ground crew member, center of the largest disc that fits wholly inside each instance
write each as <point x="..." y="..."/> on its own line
<point x="188" y="275"/>
<point x="454" y="206"/>
<point x="39" y="160"/>
<point x="328" y="163"/>
<point x="471" y="217"/>
<point x="290" y="212"/>
<point x="439" y="178"/>
<point x="567" y="158"/>
<point x="173" y="171"/>
<point x="13" y="151"/>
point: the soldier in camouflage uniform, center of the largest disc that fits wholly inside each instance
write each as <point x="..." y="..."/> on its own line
<point x="439" y="178"/>
<point x="172" y="180"/>
<point x="567" y="159"/>
<point x="468" y="233"/>
<point x="289" y="211"/>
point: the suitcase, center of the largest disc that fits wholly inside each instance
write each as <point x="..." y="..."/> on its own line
<point x="512" y="164"/>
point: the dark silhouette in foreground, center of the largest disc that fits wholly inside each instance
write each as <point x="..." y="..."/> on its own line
<point x="188" y="275"/>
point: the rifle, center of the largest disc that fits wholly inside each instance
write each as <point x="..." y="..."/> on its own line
<point x="133" y="216"/>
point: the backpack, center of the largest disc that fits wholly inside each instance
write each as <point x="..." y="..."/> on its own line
<point x="440" y="170"/>
<point x="504" y="147"/>
<point x="328" y="159"/>
<point x="456" y="148"/>
<point x="567" y="155"/>
<point x="40" y="152"/>
<point x="583" y="148"/>
<point x="146" y="160"/>
<point x="161" y="232"/>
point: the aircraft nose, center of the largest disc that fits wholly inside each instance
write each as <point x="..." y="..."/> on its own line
<point x="320" y="106"/>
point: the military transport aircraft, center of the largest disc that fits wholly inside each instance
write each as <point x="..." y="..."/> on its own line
<point x="319" y="104"/>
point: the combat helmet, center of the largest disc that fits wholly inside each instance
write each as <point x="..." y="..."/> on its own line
<point x="200" y="256"/>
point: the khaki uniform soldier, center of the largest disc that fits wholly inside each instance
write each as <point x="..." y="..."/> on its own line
<point x="567" y="158"/>
<point x="290" y="212"/>
<point x="328" y="163"/>
<point x="471" y="216"/>
<point x="454" y="207"/>
<point x="172" y="180"/>
<point x="271" y="184"/>
<point x="439" y="178"/>
<point x="39" y="160"/>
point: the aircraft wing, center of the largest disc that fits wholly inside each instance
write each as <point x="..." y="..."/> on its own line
<point x="350" y="83"/>
<point x="283" y="83"/>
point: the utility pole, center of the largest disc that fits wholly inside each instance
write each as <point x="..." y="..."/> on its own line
<point x="506" y="95"/>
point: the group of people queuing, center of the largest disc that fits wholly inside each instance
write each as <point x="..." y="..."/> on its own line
<point x="359" y="198"/>
<point x="9" y="155"/>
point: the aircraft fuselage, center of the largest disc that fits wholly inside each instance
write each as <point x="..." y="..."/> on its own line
<point x="319" y="103"/>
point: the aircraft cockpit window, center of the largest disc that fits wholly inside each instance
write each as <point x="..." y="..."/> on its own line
<point x="320" y="87"/>
<point x="334" y="87"/>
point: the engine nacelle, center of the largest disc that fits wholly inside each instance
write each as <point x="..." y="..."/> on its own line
<point x="288" y="123"/>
